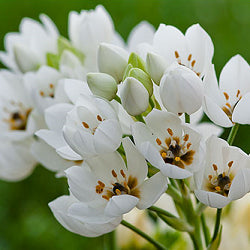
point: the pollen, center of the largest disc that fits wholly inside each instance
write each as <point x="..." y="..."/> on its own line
<point x="99" y="118"/>
<point x="98" y="189"/>
<point x="226" y="95"/>
<point x="217" y="188"/>
<point x="41" y="93"/>
<point x="189" y="57"/>
<point x="230" y="164"/>
<point x="101" y="184"/>
<point x="114" y="173"/>
<point x="210" y="177"/>
<point x="193" y="63"/>
<point x="158" y="141"/>
<point x="186" y="137"/>
<point x="122" y="173"/>
<point x="118" y="192"/>
<point x="86" y="125"/>
<point x="228" y="104"/>
<point x="189" y="145"/>
<point x="105" y="197"/>
<point x="176" y="54"/>
<point x="170" y="131"/>
<point x="164" y="155"/>
<point x="177" y="158"/>
<point x="238" y="93"/>
<point x="215" y="167"/>
<point x="51" y="85"/>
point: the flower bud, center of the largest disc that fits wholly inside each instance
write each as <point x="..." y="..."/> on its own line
<point x="181" y="90"/>
<point x="112" y="60"/>
<point x="136" y="61"/>
<point x="102" y="85"/>
<point x="143" y="77"/>
<point x="156" y="65"/>
<point x="25" y="59"/>
<point x="134" y="96"/>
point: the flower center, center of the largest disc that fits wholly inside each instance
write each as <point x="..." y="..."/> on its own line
<point x="49" y="91"/>
<point x="120" y="186"/>
<point x="228" y="108"/>
<point x="176" y="151"/>
<point x="190" y="62"/>
<point x="17" y="119"/>
<point x="220" y="183"/>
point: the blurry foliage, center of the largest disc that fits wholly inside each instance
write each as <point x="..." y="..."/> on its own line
<point x="25" y="219"/>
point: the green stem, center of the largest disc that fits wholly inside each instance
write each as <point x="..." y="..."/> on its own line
<point x="205" y="229"/>
<point x="232" y="134"/>
<point x="187" y="118"/>
<point x="161" y="211"/>
<point x="217" y="223"/>
<point x="144" y="235"/>
<point x="151" y="102"/>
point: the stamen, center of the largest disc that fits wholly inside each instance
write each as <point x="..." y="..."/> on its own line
<point x="238" y="93"/>
<point x="41" y="93"/>
<point x="198" y="74"/>
<point x="158" y="141"/>
<point x="228" y="104"/>
<point x="217" y="188"/>
<point x="226" y="95"/>
<point x="118" y="192"/>
<point x="170" y="131"/>
<point x="189" y="145"/>
<point x="86" y="125"/>
<point x="114" y="173"/>
<point x="101" y="184"/>
<point x="230" y="164"/>
<point x="189" y="57"/>
<point x="176" y="54"/>
<point x="186" y="137"/>
<point x="164" y="155"/>
<point x="223" y="174"/>
<point x="123" y="174"/>
<point x="210" y="177"/>
<point x="177" y="158"/>
<point x="193" y="63"/>
<point x="99" y="118"/>
<point x="51" y="85"/>
<point x="105" y="197"/>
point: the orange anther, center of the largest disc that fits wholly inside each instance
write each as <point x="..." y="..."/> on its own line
<point x="41" y="93"/>
<point x="51" y="85"/>
<point x="86" y="125"/>
<point x="226" y="95"/>
<point x="238" y="93"/>
<point x="189" y="145"/>
<point x="230" y="164"/>
<point x="217" y="188"/>
<point x="99" y="118"/>
<point x="228" y="104"/>
<point x="170" y="131"/>
<point x="189" y="57"/>
<point x="114" y="173"/>
<point x="186" y="137"/>
<point x="101" y="184"/>
<point x="122" y="173"/>
<point x="105" y="197"/>
<point x="193" y="63"/>
<point x="163" y="154"/>
<point x="215" y="167"/>
<point x="158" y="141"/>
<point x="210" y="177"/>
<point x="176" y="54"/>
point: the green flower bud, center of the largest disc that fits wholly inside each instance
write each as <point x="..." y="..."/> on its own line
<point x="136" y="62"/>
<point x="102" y="84"/>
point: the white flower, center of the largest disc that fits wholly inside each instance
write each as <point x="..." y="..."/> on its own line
<point x="112" y="186"/>
<point x="181" y="90"/>
<point x="26" y="51"/>
<point x="229" y="102"/>
<point x="225" y="175"/>
<point x="88" y="29"/>
<point x="134" y="96"/>
<point x="16" y="161"/>
<point x="92" y="127"/>
<point x="193" y="50"/>
<point x="18" y="120"/>
<point x="91" y="226"/>
<point x="168" y="145"/>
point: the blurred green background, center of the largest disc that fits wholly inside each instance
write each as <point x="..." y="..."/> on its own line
<point x="25" y="220"/>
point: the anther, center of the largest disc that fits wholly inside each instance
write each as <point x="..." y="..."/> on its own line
<point x="99" y="118"/>
<point x="217" y="188"/>
<point x="238" y="93"/>
<point x="105" y="197"/>
<point x="189" y="145"/>
<point x="198" y="74"/>
<point x="186" y="137"/>
<point x="230" y="164"/>
<point x="176" y="54"/>
<point x="193" y="63"/>
<point x="177" y="158"/>
<point x="158" y="141"/>
<point x="170" y="131"/>
<point x="228" y="104"/>
<point x="210" y="177"/>
<point x="101" y="184"/>
<point x="215" y="167"/>
<point x="41" y="93"/>
<point x="114" y="173"/>
<point x="164" y="155"/>
<point x="122" y="173"/>
<point x="51" y="85"/>
<point x="86" y="125"/>
<point x="118" y="192"/>
<point x="189" y="57"/>
<point x="226" y="95"/>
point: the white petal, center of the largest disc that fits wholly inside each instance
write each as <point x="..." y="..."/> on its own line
<point x="67" y="153"/>
<point x="107" y="137"/>
<point x="241" y="113"/>
<point x="136" y="163"/>
<point x="151" y="190"/>
<point x="212" y="199"/>
<point x="120" y="204"/>
<point x="207" y="129"/>
<point x="175" y="172"/>
<point x="215" y="113"/>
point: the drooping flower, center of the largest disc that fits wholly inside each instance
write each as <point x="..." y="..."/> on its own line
<point x="26" y="50"/>
<point x="228" y="103"/>
<point x="225" y="174"/>
<point x="168" y="145"/>
<point x="91" y="225"/>
<point x="113" y="186"/>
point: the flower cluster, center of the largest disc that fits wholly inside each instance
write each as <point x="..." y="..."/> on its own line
<point x="114" y="118"/>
